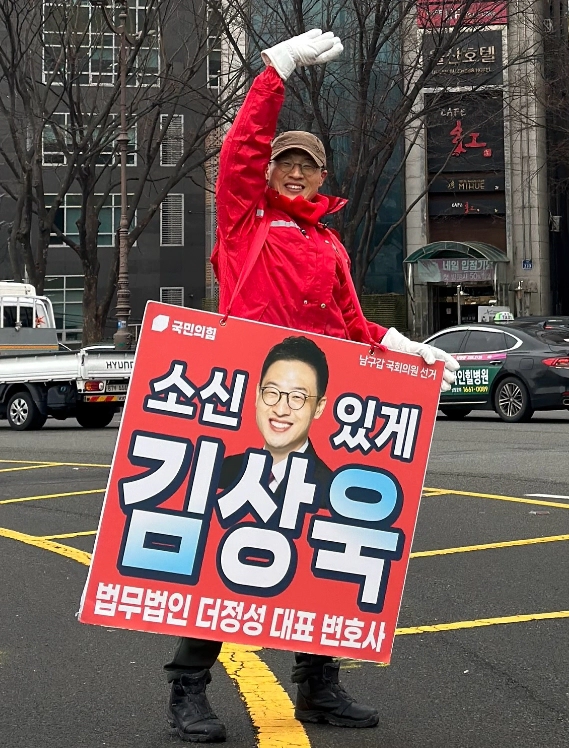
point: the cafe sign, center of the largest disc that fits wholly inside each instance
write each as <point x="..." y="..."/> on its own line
<point x="465" y="133"/>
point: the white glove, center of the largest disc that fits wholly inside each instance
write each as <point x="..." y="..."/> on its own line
<point x="310" y="48"/>
<point x="394" y="341"/>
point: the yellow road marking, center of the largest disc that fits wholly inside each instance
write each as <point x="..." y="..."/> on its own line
<point x="488" y="546"/>
<point x="415" y="554"/>
<point x="48" y="545"/>
<point x="267" y="702"/>
<point x="52" y="496"/>
<point x="458" y="625"/>
<point x="54" y="464"/>
<point x="240" y="657"/>
<point x="25" y="462"/>
<point x="498" y="497"/>
<point x="28" y="467"/>
<point x="67" y="535"/>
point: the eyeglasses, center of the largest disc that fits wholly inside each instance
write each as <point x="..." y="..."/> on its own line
<point x="295" y="400"/>
<point x="308" y="170"/>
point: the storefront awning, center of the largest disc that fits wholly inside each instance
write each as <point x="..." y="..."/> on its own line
<point x="457" y="250"/>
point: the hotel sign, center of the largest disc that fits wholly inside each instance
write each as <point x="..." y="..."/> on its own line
<point x="475" y="59"/>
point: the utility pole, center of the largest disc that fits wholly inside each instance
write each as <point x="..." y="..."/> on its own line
<point x="122" y="337"/>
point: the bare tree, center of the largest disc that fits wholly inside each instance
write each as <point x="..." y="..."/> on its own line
<point x="59" y="69"/>
<point x="363" y="105"/>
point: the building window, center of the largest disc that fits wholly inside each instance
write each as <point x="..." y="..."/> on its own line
<point x="69" y="213"/>
<point x="81" y="27"/>
<point x="56" y="139"/>
<point x="214" y="28"/>
<point x="66" y="294"/>
<point x="172" y="146"/>
<point x="172" y="295"/>
<point x="172" y="221"/>
<point x="57" y="142"/>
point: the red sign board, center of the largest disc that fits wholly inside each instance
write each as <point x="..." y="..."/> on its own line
<point x="432" y="14"/>
<point x="246" y="505"/>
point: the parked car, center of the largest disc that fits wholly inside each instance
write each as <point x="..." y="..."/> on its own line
<point x="546" y="323"/>
<point x="514" y="369"/>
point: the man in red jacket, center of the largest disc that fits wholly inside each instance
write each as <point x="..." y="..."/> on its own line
<point x="268" y="195"/>
<point x="276" y="262"/>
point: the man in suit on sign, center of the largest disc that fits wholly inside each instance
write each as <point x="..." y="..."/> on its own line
<point x="290" y="396"/>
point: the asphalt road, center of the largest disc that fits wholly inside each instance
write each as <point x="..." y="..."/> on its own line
<point x="490" y="669"/>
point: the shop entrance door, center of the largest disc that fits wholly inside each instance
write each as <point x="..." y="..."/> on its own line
<point x="444" y="305"/>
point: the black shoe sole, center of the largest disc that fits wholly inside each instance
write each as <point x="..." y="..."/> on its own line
<point x="215" y="736"/>
<point x="315" y="716"/>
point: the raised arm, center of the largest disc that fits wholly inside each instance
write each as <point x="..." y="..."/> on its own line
<point x="246" y="150"/>
<point x="245" y="155"/>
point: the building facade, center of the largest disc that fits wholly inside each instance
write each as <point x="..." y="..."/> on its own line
<point x="477" y="230"/>
<point x="66" y="146"/>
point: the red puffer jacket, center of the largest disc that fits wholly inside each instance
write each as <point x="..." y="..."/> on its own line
<point x="301" y="277"/>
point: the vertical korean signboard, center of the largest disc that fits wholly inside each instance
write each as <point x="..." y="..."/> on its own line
<point x="251" y="500"/>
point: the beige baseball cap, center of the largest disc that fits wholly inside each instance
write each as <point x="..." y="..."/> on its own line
<point x="302" y="141"/>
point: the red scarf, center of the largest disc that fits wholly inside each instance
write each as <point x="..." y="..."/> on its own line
<point x="301" y="209"/>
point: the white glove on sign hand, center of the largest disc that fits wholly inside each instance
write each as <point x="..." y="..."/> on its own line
<point x="394" y="341"/>
<point x="310" y="48"/>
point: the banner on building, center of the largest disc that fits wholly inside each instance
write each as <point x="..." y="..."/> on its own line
<point x="251" y="500"/>
<point x="455" y="270"/>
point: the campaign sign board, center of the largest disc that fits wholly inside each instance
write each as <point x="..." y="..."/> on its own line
<point x="245" y="505"/>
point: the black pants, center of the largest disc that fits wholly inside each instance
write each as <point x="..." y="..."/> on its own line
<point x="202" y="653"/>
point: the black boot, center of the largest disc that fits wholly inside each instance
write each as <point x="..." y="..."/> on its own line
<point x="189" y="712"/>
<point x="321" y="698"/>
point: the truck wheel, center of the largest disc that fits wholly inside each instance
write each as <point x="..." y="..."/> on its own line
<point x="512" y="402"/>
<point x="94" y="416"/>
<point x="23" y="414"/>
